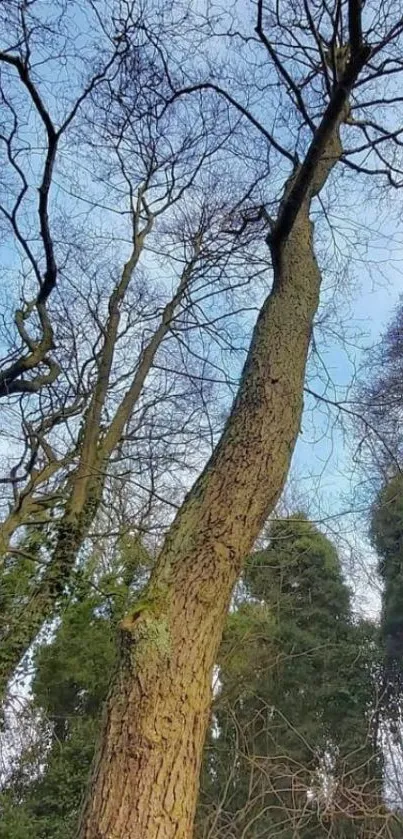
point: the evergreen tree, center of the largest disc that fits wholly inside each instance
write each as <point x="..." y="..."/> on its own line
<point x="387" y="536"/>
<point x="294" y="746"/>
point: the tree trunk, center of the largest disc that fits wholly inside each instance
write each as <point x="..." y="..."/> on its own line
<point x="146" y="774"/>
<point x="20" y="625"/>
<point x="85" y="486"/>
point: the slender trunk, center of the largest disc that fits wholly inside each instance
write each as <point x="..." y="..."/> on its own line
<point x="19" y="627"/>
<point x="146" y="774"/>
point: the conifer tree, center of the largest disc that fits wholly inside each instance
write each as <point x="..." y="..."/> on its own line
<point x="294" y="748"/>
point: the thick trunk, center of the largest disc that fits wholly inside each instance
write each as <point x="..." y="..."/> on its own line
<point x="146" y="775"/>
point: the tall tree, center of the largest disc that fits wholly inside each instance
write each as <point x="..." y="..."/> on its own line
<point x="379" y="410"/>
<point x="387" y="536"/>
<point x="380" y="401"/>
<point x="107" y="402"/>
<point x="294" y="748"/>
<point x="318" y="65"/>
<point x="157" y="711"/>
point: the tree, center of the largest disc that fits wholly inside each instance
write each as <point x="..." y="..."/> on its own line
<point x="379" y="399"/>
<point x="294" y="744"/>
<point x="30" y="364"/>
<point x="387" y="536"/>
<point x="157" y="711"/>
<point x="317" y="66"/>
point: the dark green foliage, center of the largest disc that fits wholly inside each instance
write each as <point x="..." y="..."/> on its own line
<point x="42" y="800"/>
<point x="387" y="536"/>
<point x="71" y="682"/>
<point x="19" y="569"/>
<point x="295" y="713"/>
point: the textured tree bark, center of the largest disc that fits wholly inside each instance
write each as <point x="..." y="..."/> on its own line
<point x="146" y="774"/>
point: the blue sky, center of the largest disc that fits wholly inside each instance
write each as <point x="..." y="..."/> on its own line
<point x="366" y="312"/>
<point x="323" y="470"/>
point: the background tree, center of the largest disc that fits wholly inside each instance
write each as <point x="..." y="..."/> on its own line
<point x="29" y="363"/>
<point x="294" y="746"/>
<point x="387" y="537"/>
<point x="379" y="400"/>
